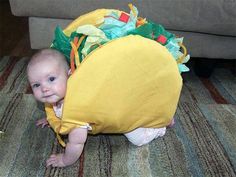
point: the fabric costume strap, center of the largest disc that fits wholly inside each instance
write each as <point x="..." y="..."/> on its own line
<point x="132" y="9"/>
<point x="55" y="123"/>
<point x="60" y="140"/>
<point x="74" y="56"/>
<point x="181" y="59"/>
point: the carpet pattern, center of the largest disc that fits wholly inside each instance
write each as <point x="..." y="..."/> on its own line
<point x="202" y="142"/>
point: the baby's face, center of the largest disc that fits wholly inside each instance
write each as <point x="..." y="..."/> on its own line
<point x="48" y="82"/>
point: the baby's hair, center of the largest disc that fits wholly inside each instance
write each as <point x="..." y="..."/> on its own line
<point x="48" y="54"/>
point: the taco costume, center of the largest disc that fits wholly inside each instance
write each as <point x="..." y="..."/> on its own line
<point x="124" y="75"/>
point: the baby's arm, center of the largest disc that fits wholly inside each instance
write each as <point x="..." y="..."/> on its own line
<point x="77" y="138"/>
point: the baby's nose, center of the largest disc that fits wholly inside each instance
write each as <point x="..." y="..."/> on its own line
<point x="44" y="88"/>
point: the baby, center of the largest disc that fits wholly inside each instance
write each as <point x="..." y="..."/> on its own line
<point x="48" y="73"/>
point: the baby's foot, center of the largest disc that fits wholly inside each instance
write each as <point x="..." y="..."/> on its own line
<point x="160" y="132"/>
<point x="172" y="123"/>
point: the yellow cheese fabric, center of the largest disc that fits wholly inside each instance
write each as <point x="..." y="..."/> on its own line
<point x="95" y="17"/>
<point x="54" y="122"/>
<point x="129" y="82"/>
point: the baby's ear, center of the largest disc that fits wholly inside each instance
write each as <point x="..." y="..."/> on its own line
<point x="69" y="72"/>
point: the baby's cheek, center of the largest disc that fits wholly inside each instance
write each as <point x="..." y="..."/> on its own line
<point x="62" y="91"/>
<point x="37" y="95"/>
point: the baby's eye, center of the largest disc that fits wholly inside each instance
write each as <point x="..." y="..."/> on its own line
<point x="51" y="79"/>
<point x="35" y="85"/>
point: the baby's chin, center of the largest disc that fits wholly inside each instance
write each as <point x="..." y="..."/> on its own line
<point x="48" y="100"/>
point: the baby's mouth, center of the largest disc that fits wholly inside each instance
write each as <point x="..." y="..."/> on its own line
<point x="47" y="96"/>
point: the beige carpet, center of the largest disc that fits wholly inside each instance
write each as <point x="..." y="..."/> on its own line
<point x="202" y="142"/>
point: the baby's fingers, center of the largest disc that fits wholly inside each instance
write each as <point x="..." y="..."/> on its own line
<point x="55" y="161"/>
<point x="51" y="161"/>
<point x="42" y="122"/>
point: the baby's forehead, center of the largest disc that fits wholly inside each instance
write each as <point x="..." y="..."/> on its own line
<point x="42" y="62"/>
<point x="43" y="68"/>
<point x="46" y="59"/>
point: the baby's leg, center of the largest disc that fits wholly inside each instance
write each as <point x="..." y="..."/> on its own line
<point x="142" y="136"/>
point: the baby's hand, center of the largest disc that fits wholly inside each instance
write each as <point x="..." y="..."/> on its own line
<point x="56" y="160"/>
<point x="42" y="122"/>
